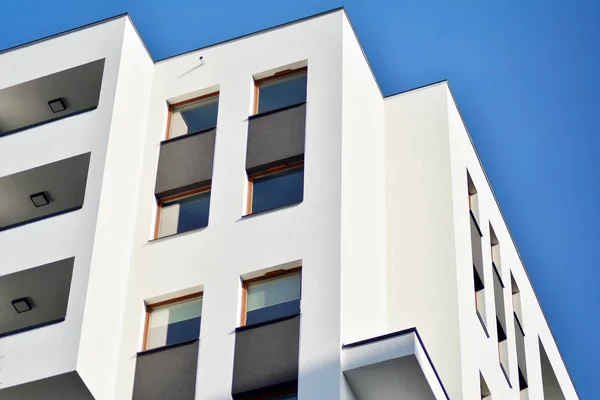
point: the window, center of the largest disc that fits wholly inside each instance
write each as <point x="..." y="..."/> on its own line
<point x="519" y="335"/>
<point x="477" y="255"/>
<point x="286" y="88"/>
<point x="274" y="296"/>
<point x="193" y="116"/>
<point x="276" y="187"/>
<point x="499" y="304"/>
<point x="183" y="213"/>
<point x="173" y="321"/>
<point x="484" y="390"/>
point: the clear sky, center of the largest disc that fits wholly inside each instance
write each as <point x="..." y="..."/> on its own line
<point x="523" y="73"/>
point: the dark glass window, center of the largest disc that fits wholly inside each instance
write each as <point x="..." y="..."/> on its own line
<point x="277" y="93"/>
<point x="277" y="189"/>
<point x="271" y="299"/>
<point x="174" y="323"/>
<point x="195" y="117"/>
<point x="184" y="215"/>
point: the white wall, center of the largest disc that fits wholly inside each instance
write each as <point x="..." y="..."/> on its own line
<point x="103" y="318"/>
<point x="229" y="247"/>
<point x="364" y="268"/>
<point x="53" y="349"/>
<point x="421" y="252"/>
<point x="477" y="351"/>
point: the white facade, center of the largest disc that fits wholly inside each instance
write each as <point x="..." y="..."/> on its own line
<point x="382" y="233"/>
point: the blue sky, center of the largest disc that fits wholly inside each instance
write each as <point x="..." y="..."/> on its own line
<point x="522" y="73"/>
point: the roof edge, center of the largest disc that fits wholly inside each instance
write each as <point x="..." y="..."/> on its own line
<point x="68" y="31"/>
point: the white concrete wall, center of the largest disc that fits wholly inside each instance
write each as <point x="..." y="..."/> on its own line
<point x="363" y="240"/>
<point x="104" y="306"/>
<point x="214" y="258"/>
<point x="477" y="351"/>
<point x="422" y="288"/>
<point x="53" y="349"/>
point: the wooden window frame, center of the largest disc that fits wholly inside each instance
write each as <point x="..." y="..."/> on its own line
<point x="280" y="273"/>
<point x="261" y="174"/>
<point x="275" y="76"/>
<point x="173" y="107"/>
<point x="161" y="304"/>
<point x="170" y="199"/>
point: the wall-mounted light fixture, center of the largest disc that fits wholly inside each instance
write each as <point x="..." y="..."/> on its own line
<point x="57" y="105"/>
<point x="39" y="199"/>
<point x="21" y="305"/>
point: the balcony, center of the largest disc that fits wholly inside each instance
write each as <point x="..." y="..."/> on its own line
<point x="395" y="365"/>
<point x="35" y="297"/>
<point x="67" y="386"/>
<point x="43" y="192"/>
<point x="167" y="372"/>
<point x="46" y="99"/>
<point x="266" y="356"/>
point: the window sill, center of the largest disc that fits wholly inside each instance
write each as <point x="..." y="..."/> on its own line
<point x="187" y="135"/>
<point x="505" y="375"/>
<point x="273" y="321"/>
<point x="498" y="274"/>
<point x="270" y="210"/>
<point x="262" y="114"/>
<point x="177" y="234"/>
<point x="167" y="347"/>
<point x="482" y="324"/>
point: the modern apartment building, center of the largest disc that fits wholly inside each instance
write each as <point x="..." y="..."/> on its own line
<point x="251" y="220"/>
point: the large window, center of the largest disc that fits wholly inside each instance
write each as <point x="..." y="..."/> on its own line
<point x="284" y="89"/>
<point x="276" y="187"/>
<point x="183" y="213"/>
<point x="193" y="116"/>
<point x="271" y="297"/>
<point x="173" y="321"/>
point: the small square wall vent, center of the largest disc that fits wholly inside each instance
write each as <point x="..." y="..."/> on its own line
<point x="21" y="305"/>
<point x="39" y="199"/>
<point x="57" y="105"/>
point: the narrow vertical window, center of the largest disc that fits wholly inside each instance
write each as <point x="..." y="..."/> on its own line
<point x="519" y="335"/>
<point x="477" y="254"/>
<point x="499" y="305"/>
<point x="484" y="390"/>
<point x="271" y="297"/>
<point x="173" y="321"/>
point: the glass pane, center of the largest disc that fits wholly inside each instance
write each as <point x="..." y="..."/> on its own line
<point x="193" y="212"/>
<point x="271" y="313"/>
<point x="195" y="117"/>
<point x="280" y="93"/>
<point x="278" y="190"/>
<point x="175" y="323"/>
<point x="274" y="291"/>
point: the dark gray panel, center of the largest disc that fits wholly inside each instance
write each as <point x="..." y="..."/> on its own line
<point x="167" y="373"/>
<point x="476" y="251"/>
<point x="47" y="288"/>
<point x="25" y="105"/>
<point x="266" y="355"/>
<point x="64" y="181"/>
<point x="185" y="163"/>
<point x="275" y="137"/>
<point x="67" y="386"/>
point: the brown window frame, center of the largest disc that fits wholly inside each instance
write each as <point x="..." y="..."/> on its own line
<point x="160" y="203"/>
<point x="173" y="107"/>
<point x="268" y="276"/>
<point x="275" y="76"/>
<point x="261" y="174"/>
<point x="160" y="304"/>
